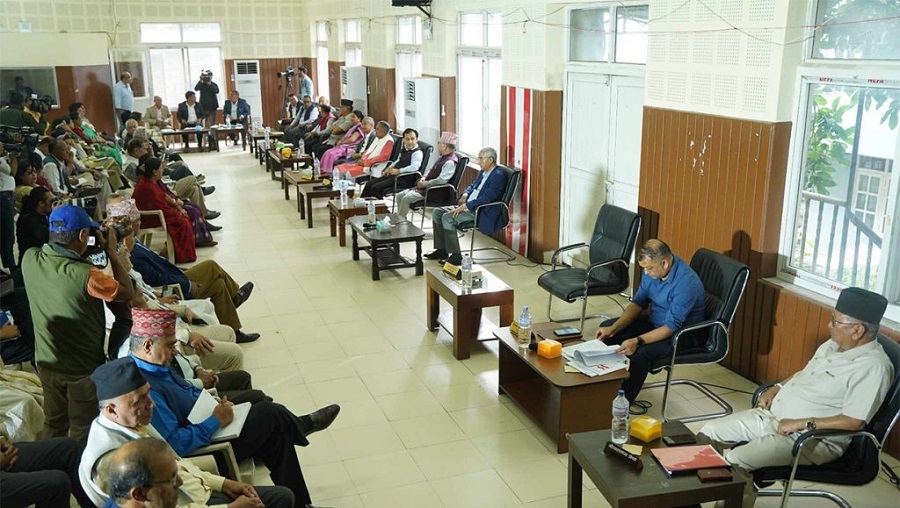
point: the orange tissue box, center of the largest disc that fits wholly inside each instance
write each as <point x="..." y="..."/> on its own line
<point x="646" y="428"/>
<point x="549" y="348"/>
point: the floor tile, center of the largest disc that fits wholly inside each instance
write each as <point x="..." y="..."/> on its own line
<point x="484" y="489"/>
<point x="418" y="495"/>
<point x="383" y="471"/>
<point x="427" y="430"/>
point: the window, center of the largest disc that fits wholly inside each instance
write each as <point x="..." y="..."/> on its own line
<point x="479" y="74"/>
<point x="322" y="58"/>
<point x="841" y="207"/>
<point x="408" y="59"/>
<point x="609" y="34"/>
<point x="179" y="52"/>
<point x="353" y="44"/>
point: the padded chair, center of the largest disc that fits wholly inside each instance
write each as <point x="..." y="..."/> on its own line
<point x="408" y="180"/>
<point x="513" y="176"/>
<point x="431" y="193"/>
<point x="395" y="152"/>
<point x="858" y="465"/>
<point x="145" y="235"/>
<point x="724" y="281"/>
<point x="611" y="246"/>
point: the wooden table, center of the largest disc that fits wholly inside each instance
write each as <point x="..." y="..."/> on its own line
<point x="338" y="215"/>
<point x="292" y="177"/>
<point x="560" y="402"/>
<point x="203" y="133"/>
<point x="276" y="163"/>
<point x="230" y="129"/>
<point x="384" y="247"/>
<point x="257" y="142"/>
<point x="649" y="488"/>
<point x="307" y="193"/>
<point x="465" y="322"/>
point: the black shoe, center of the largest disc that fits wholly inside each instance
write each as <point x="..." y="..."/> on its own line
<point x="242" y="295"/>
<point x="213" y="227"/>
<point x="436" y="254"/>
<point x="322" y="418"/>
<point x="212" y="215"/>
<point x="209" y="190"/>
<point x="243" y="338"/>
<point x="454" y="259"/>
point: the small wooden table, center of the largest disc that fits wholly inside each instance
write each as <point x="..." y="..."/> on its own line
<point x="624" y="487"/>
<point x="559" y="401"/>
<point x="465" y="323"/>
<point x="275" y="163"/>
<point x="230" y="129"/>
<point x="384" y="247"/>
<point x="307" y="193"/>
<point x="257" y="144"/>
<point x="338" y="215"/>
<point x="185" y="145"/>
<point x="293" y="177"/>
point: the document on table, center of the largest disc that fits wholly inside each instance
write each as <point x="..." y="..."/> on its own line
<point x="204" y="408"/>
<point x="594" y="358"/>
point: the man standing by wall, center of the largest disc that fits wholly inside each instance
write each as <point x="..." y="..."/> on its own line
<point x="123" y="98"/>
<point x="306" y="84"/>
<point x="209" y="97"/>
<point x="66" y="295"/>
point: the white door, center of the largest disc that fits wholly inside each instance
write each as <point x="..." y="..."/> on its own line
<point x="626" y="108"/>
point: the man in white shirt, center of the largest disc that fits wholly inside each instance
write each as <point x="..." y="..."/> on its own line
<point x="190" y="115"/>
<point x="123" y="98"/>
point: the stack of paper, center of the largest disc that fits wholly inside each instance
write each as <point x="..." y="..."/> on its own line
<point x="204" y="408"/>
<point x="594" y="358"/>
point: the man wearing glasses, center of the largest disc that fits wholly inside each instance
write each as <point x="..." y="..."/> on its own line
<point x="841" y="388"/>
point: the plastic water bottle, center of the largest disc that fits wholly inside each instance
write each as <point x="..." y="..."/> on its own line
<point x="266" y="137"/>
<point x="370" y="208"/>
<point x="620" y="424"/>
<point x="317" y="172"/>
<point x="466" y="271"/>
<point x="342" y="185"/>
<point x="227" y="121"/>
<point x="524" y="326"/>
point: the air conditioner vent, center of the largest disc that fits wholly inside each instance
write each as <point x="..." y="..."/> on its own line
<point x="248" y="67"/>
<point x="411" y="90"/>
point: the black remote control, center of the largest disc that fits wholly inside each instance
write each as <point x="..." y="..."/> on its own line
<point x="620" y="453"/>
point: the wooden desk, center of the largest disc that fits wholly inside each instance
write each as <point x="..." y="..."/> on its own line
<point x="257" y="144"/>
<point x="230" y="129"/>
<point x="291" y="177"/>
<point x="384" y="247"/>
<point x="276" y="163"/>
<point x="338" y="215"/>
<point x="307" y="193"/>
<point x="649" y="488"/>
<point x="185" y="146"/>
<point x="465" y="323"/>
<point x="560" y="402"/>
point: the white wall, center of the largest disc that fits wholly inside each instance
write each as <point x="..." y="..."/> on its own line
<point x="52" y="49"/>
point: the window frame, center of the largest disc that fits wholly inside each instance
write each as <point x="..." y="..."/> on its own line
<point x="352" y="45"/>
<point x="418" y="35"/>
<point x="613" y="7"/>
<point x="809" y="45"/>
<point x="486" y="53"/>
<point x="148" y="47"/>
<point x="181" y="40"/>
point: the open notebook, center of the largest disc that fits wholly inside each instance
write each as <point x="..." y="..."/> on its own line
<point x="203" y="409"/>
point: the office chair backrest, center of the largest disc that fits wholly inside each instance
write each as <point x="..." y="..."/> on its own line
<point x="398" y="144"/>
<point x="513" y="176"/>
<point x="724" y="280"/>
<point x="461" y="164"/>
<point x="426" y="156"/>
<point x="615" y="234"/>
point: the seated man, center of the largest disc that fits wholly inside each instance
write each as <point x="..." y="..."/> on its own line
<point x="441" y="172"/>
<point x="142" y="473"/>
<point x="269" y="434"/>
<point x="374" y="150"/>
<point x="126" y="410"/>
<point x="841" y="388"/>
<point x="157" y="115"/>
<point x="336" y="132"/>
<point x="290" y="111"/>
<point x="236" y="110"/>
<point x="320" y="128"/>
<point x="487" y="188"/>
<point x="676" y="298"/>
<point x="190" y="115"/>
<point x="42" y="473"/>
<point x="409" y="160"/>
<point x="303" y="122"/>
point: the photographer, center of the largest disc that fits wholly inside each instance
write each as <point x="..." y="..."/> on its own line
<point x="16" y="116"/>
<point x="33" y="227"/>
<point x="209" y="99"/>
<point x="9" y="167"/>
<point x="38" y="107"/>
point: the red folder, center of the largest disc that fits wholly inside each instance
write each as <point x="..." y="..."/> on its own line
<point x="684" y="459"/>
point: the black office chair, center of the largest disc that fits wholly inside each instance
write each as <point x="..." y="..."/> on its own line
<point x="858" y="465"/>
<point x="435" y="195"/>
<point x="395" y="151"/>
<point x="724" y="281"/>
<point x="611" y="247"/>
<point x="513" y="177"/>
<point x="408" y="180"/>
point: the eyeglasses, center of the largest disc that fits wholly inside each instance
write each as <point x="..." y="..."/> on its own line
<point x="835" y="322"/>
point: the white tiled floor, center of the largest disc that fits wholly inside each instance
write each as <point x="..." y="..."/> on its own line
<point x="417" y="427"/>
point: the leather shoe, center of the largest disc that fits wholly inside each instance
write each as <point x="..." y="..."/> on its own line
<point x="322" y="418"/>
<point x="454" y="259"/>
<point x="213" y="227"/>
<point x="209" y="190"/>
<point x="212" y="215"/>
<point x="243" y="338"/>
<point x="211" y="243"/>
<point x="436" y="254"/>
<point x="242" y="295"/>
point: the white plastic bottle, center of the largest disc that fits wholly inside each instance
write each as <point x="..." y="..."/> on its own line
<point x="525" y="327"/>
<point x="620" y="424"/>
<point x="227" y="121"/>
<point x="316" y="171"/>
<point x="466" y="267"/>
<point x="370" y="208"/>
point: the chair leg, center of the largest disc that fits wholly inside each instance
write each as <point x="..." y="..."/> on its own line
<point x="504" y="255"/>
<point x="785" y="495"/>
<point x="584" y="316"/>
<point x="583" y="311"/>
<point x="726" y="407"/>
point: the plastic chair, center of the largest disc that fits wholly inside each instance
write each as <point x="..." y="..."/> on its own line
<point x="145" y="235"/>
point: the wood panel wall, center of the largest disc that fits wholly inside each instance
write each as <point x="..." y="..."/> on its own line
<point x="334" y="82"/>
<point x="718" y="183"/>
<point x="272" y="87"/>
<point x="92" y="85"/>
<point x="382" y="94"/>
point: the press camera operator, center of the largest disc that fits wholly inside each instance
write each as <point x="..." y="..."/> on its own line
<point x="9" y="166"/>
<point x="209" y="99"/>
<point x="16" y="116"/>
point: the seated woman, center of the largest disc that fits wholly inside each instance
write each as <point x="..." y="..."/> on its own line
<point x="151" y="194"/>
<point x="86" y="131"/>
<point x="440" y="173"/>
<point x="26" y="181"/>
<point x="33" y="226"/>
<point x="378" y="152"/>
<point x="322" y="127"/>
<point x="346" y="145"/>
<point x="174" y="163"/>
<point x="409" y="160"/>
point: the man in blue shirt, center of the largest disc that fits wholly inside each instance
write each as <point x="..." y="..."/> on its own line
<point x="269" y="434"/>
<point x="123" y="98"/>
<point x="676" y="298"/>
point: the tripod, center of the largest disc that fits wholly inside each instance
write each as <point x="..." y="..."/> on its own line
<point x="288" y="90"/>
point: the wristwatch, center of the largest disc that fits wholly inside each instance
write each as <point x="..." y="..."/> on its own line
<point x="811" y="424"/>
<point x="640" y="341"/>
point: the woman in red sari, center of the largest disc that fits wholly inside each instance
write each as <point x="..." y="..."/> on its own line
<point x="149" y="196"/>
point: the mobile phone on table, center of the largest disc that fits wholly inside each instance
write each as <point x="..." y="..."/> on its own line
<point x="567" y="332"/>
<point x="679" y="440"/>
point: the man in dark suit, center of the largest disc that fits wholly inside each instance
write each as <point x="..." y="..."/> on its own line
<point x="191" y="114"/>
<point x="487" y="188"/>
<point x="237" y="110"/>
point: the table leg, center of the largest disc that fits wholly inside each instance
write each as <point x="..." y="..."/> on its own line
<point x="420" y="269"/>
<point x="575" y="479"/>
<point x="244" y="139"/>
<point x="309" y="209"/>
<point x="466" y="322"/>
<point x="355" y="245"/>
<point x="432" y="307"/>
<point x="332" y="224"/>
<point x="735" y="499"/>
<point x="376" y="275"/>
<point x="342" y="226"/>
<point x="300" y="207"/>
<point x="299" y="201"/>
<point x="507" y="312"/>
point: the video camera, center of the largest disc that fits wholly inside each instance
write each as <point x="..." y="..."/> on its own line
<point x="205" y="75"/>
<point x="41" y="104"/>
<point x="18" y="139"/>
<point x="287" y="73"/>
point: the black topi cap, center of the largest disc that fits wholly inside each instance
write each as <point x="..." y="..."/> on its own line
<point x="861" y="304"/>
<point x="116" y="378"/>
<point x="347" y="102"/>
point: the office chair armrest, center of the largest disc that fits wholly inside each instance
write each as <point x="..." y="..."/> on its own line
<point x="826" y="433"/>
<point x="406" y="176"/>
<point x="759" y="391"/>
<point x="488" y="205"/>
<point x="441" y="186"/>
<point x="602" y="264"/>
<point x="560" y="250"/>
<point x="697" y="326"/>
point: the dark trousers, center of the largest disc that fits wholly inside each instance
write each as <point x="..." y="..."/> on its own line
<point x="376" y="187"/>
<point x="272" y="497"/>
<point x="321" y="148"/>
<point x="7" y="229"/>
<point x="270" y="434"/>
<point x="237" y="385"/>
<point x="45" y="475"/>
<point x="179" y="171"/>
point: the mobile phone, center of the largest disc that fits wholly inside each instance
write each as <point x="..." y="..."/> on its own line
<point x="92" y="241"/>
<point x="716" y="474"/>
<point x="567" y="332"/>
<point x="679" y="440"/>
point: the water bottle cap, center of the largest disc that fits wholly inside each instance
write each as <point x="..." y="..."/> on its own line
<point x="621" y="392"/>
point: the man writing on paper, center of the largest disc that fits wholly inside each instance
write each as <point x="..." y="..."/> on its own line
<point x="269" y="434"/>
<point x="125" y="413"/>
